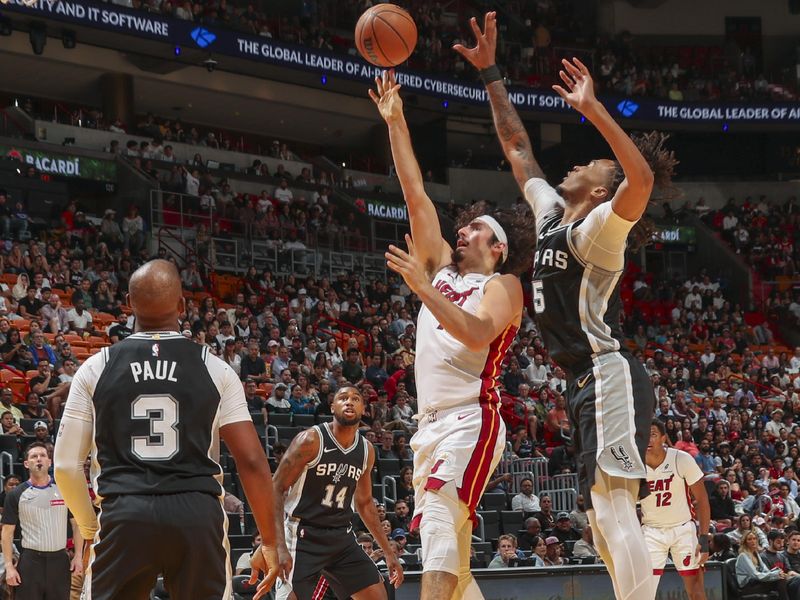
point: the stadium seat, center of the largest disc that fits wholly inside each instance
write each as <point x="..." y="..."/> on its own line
<point x="494" y="501"/>
<point x="388" y="467"/>
<point x="286" y="434"/>
<point x="234" y="524"/>
<point x="324" y="418"/>
<point x="304" y="421"/>
<point x="732" y="585"/>
<point x="27" y="425"/>
<point x="10" y="444"/>
<point x="240" y="541"/>
<point x="491" y="524"/>
<point x="280" y="419"/>
<point x="511" y="521"/>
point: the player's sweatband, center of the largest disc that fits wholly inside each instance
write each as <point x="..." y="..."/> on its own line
<point x="703" y="539"/>
<point x="490" y="75"/>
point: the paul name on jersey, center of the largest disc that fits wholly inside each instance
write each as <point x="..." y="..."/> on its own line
<point x="161" y="370"/>
<point x="338" y="471"/>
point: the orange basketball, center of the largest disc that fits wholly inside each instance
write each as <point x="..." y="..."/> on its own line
<point x="386" y="35"/>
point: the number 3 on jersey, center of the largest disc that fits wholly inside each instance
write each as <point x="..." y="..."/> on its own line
<point x="328" y="499"/>
<point x="538" y="296"/>
<point x="162" y="412"/>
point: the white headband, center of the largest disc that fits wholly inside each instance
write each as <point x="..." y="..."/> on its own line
<point x="498" y="231"/>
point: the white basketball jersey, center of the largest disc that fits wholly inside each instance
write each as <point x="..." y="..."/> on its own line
<point x="448" y="373"/>
<point x="669" y="503"/>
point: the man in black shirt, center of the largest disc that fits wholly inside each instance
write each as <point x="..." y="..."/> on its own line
<point x="791" y="560"/>
<point x="253" y="366"/>
<point x="30" y="305"/>
<point x="120" y="330"/>
<point x="351" y="369"/>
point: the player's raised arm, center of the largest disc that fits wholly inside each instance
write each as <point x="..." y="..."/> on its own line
<point x="303" y="449"/>
<point x="434" y="252"/>
<point x="633" y="194"/>
<point x="369" y="515"/>
<point x="510" y="130"/>
<point x="501" y="303"/>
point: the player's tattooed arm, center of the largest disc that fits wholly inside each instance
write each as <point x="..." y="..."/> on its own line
<point x="303" y="450"/>
<point x="513" y="136"/>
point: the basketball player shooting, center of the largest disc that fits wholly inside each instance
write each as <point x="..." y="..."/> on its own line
<point x="668" y="517"/>
<point x="473" y="301"/>
<point x="149" y="412"/>
<point x="583" y="227"/>
<point x="323" y="471"/>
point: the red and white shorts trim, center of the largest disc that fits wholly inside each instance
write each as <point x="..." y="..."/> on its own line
<point x="679" y="542"/>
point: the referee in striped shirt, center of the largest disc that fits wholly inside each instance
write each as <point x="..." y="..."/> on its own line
<point x="43" y="572"/>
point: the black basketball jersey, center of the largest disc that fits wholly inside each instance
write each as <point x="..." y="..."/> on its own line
<point x="158" y="400"/>
<point x="576" y="305"/>
<point x="323" y="494"/>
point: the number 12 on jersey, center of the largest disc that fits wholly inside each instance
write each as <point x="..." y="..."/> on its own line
<point x="328" y="499"/>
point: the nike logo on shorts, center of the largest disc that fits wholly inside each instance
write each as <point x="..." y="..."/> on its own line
<point x="583" y="381"/>
<point x="463" y="416"/>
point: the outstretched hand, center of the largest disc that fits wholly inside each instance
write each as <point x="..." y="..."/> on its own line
<point x="482" y="56"/>
<point x="387" y="98"/>
<point x="407" y="265"/>
<point x="578" y="81"/>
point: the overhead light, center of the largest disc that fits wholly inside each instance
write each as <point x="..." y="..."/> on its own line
<point x="38" y="37"/>
<point x="68" y="39"/>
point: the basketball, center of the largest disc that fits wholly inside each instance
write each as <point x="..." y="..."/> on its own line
<point x="386" y="35"/>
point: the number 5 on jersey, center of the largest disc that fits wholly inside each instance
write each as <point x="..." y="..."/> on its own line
<point x="538" y="296"/>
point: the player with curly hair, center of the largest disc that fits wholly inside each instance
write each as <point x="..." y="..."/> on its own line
<point x="583" y="227"/>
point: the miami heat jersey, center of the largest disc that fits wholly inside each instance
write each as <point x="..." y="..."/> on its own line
<point x="669" y="503"/>
<point x="448" y="374"/>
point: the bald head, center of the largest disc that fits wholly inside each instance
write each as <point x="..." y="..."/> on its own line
<point x="155" y="295"/>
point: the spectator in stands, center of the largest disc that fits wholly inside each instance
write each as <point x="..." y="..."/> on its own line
<point x="401" y="449"/>
<point x="253" y="366"/>
<point x="9" y="425"/>
<point x="301" y="404"/>
<point x="752" y="575"/>
<point x="14" y="351"/>
<point x="278" y="402"/>
<point x="536" y="372"/>
<point x="745" y="526"/>
<point x="133" y="230"/>
<point x="110" y="232"/>
<point x="578" y="516"/>
<point x="720" y="548"/>
<point x="35" y="409"/>
<point x="243" y="564"/>
<point x="584" y="547"/>
<point x="401" y="518"/>
<point x="771" y="555"/>
<point x="30" y="305"/>
<point x="791" y="560"/>
<point x="190" y="277"/>
<point x="402" y="411"/>
<point x="553" y="555"/>
<point x="564" y="530"/>
<point x="80" y="319"/>
<point x="557" y="422"/>
<point x="526" y="501"/>
<point x="386" y="449"/>
<point x="120" y="330"/>
<point x="54" y="314"/>
<point x="40" y="351"/>
<point x="545" y="514"/>
<point x="704" y="459"/>
<point x="533" y="531"/>
<point x="562" y="460"/>
<point x="7" y="404"/>
<point x="506" y="553"/>
<point x="20" y="221"/>
<point x="723" y="509"/>
<point x="405" y="485"/>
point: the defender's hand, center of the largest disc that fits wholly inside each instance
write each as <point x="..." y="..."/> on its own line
<point x="578" y="80"/>
<point x="482" y="56"/>
<point x="396" y="575"/>
<point x="407" y="265"/>
<point x="264" y="560"/>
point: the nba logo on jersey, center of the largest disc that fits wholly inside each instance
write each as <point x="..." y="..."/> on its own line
<point x="155" y="349"/>
<point x="623" y="457"/>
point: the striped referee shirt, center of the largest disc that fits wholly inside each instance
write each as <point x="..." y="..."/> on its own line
<point x="41" y="513"/>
